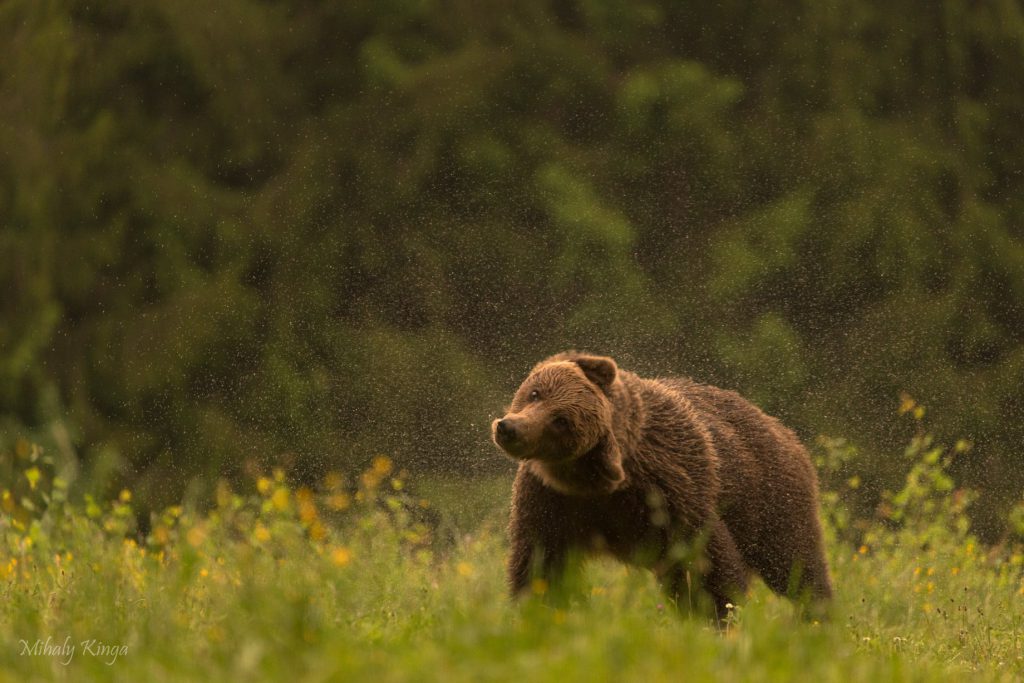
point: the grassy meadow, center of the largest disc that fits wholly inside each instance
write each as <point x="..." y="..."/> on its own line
<point x="381" y="579"/>
<point x="330" y="234"/>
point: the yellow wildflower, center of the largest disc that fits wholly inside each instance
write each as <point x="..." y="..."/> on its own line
<point x="160" y="535"/>
<point x="195" y="536"/>
<point x="382" y="465"/>
<point x="341" y="556"/>
<point x="32" y="474"/>
<point x="280" y="499"/>
<point x="307" y="508"/>
<point x="261" y="533"/>
<point x="338" y="501"/>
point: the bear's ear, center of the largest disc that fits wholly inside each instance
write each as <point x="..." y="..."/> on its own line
<point x="600" y="370"/>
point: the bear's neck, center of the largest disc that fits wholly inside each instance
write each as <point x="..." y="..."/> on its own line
<point x="600" y="470"/>
<point x="595" y="473"/>
<point x="629" y="416"/>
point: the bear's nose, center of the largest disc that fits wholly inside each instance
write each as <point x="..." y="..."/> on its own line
<point x="505" y="430"/>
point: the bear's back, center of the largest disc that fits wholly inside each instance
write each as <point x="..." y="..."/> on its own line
<point x="762" y="465"/>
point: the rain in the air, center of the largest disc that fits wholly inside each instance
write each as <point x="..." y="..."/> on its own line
<point x="551" y="340"/>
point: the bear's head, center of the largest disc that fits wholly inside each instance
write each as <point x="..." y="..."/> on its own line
<point x="560" y="421"/>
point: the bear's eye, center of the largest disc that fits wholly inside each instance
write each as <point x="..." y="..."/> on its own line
<point x="534" y="395"/>
<point x="560" y="423"/>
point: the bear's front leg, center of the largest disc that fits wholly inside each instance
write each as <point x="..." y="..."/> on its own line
<point x="520" y="561"/>
<point x="529" y="562"/>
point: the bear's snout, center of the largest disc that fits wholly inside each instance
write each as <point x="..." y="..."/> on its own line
<point x="505" y="431"/>
<point x="511" y="436"/>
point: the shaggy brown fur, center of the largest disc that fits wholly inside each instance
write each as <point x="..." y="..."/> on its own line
<point x="650" y="469"/>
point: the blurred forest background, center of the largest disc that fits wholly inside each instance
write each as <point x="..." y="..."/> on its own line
<point x="244" y="233"/>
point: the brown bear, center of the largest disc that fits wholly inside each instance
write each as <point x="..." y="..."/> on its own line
<point x="687" y="479"/>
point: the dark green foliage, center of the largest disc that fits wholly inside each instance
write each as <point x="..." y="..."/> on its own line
<point x="312" y="231"/>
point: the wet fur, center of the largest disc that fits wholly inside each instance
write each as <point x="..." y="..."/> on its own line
<point x="656" y="466"/>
